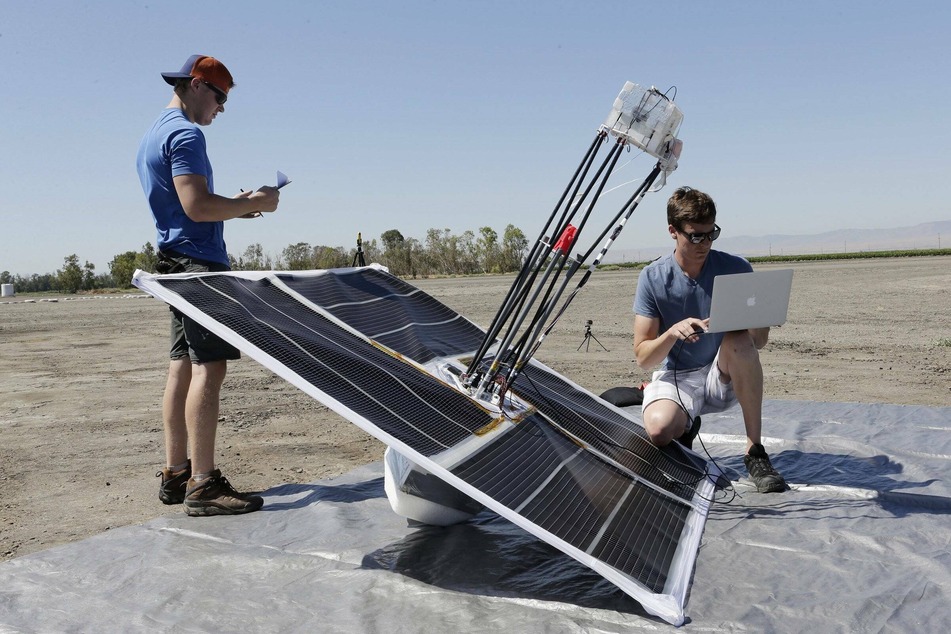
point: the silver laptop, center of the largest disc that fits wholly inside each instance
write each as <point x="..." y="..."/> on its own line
<point x="750" y="300"/>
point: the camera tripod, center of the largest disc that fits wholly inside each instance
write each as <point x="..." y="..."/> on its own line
<point x="588" y="336"/>
<point x="358" y="259"/>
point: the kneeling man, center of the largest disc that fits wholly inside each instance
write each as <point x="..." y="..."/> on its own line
<point x="713" y="371"/>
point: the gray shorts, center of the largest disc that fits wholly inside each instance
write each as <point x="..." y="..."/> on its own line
<point x="187" y="337"/>
<point x="700" y="391"/>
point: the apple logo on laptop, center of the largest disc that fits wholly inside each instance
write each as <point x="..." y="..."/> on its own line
<point x="751" y="301"/>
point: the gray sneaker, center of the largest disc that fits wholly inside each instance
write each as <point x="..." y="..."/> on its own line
<point x="215" y="496"/>
<point x="172" y="486"/>
<point x="766" y="478"/>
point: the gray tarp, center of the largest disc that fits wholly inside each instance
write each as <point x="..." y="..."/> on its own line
<point x="861" y="543"/>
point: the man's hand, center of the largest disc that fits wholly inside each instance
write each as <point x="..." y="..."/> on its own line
<point x="261" y="196"/>
<point x="651" y="346"/>
<point x="689" y="328"/>
<point x="266" y="199"/>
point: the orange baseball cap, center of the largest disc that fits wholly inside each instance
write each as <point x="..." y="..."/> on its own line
<point x="204" y="68"/>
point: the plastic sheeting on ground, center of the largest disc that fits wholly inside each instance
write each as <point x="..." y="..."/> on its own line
<point x="861" y="543"/>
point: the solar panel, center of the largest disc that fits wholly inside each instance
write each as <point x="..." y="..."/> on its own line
<point x="554" y="459"/>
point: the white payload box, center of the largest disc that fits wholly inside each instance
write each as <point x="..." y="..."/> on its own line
<point x="649" y="120"/>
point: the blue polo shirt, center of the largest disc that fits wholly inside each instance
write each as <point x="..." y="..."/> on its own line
<point x="665" y="292"/>
<point x="175" y="146"/>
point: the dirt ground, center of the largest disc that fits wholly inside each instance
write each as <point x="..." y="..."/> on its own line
<point x="80" y="412"/>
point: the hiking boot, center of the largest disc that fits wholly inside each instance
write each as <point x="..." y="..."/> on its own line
<point x="172" y="487"/>
<point x="766" y="478"/>
<point x="686" y="438"/>
<point x="215" y="496"/>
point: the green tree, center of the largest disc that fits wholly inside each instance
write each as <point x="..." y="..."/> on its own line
<point x="467" y="250"/>
<point x="439" y="250"/>
<point x="392" y="240"/>
<point x="122" y="268"/>
<point x="69" y="279"/>
<point x="324" y="257"/>
<point x="35" y="283"/>
<point x="147" y="258"/>
<point x="514" y="247"/>
<point x="41" y="283"/>
<point x="103" y="280"/>
<point x="416" y="257"/>
<point x="397" y="256"/>
<point x="253" y="258"/>
<point x="488" y="251"/>
<point x="89" y="276"/>
<point x="297" y="257"/>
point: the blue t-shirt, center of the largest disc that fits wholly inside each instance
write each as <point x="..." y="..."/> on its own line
<point x="665" y="292"/>
<point x="175" y="146"/>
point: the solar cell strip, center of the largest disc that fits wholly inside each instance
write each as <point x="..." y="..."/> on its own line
<point x="589" y="419"/>
<point x="403" y="401"/>
<point x="610" y="519"/>
<point x="644" y="538"/>
<point x="346" y="286"/>
<point x="547" y="480"/>
<point x="405" y="319"/>
<point x="576" y="503"/>
<point x="580" y="499"/>
<point x="413" y="324"/>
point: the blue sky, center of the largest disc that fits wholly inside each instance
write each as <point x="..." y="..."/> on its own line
<point x="799" y="117"/>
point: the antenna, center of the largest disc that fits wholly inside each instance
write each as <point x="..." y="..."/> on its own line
<point x="644" y="118"/>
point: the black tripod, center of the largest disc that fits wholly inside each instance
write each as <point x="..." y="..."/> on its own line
<point x="588" y="336"/>
<point x="358" y="259"/>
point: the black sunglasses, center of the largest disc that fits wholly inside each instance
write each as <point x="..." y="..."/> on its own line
<point x="697" y="238"/>
<point x="220" y="96"/>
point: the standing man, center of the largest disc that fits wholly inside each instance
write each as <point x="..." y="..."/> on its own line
<point x="699" y="372"/>
<point x="177" y="178"/>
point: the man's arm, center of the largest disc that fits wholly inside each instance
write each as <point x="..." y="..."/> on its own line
<point x="648" y="349"/>
<point x="202" y="206"/>
<point x="651" y="346"/>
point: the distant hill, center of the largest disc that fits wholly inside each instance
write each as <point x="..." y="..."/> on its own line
<point x="928" y="235"/>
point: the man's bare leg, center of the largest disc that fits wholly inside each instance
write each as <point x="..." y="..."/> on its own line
<point x="173" y="411"/>
<point x="665" y="421"/>
<point x="740" y="364"/>
<point x="201" y="412"/>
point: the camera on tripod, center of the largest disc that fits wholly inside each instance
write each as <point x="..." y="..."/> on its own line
<point x="588" y="336"/>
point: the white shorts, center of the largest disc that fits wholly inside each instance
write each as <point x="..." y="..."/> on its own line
<point x="700" y="391"/>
